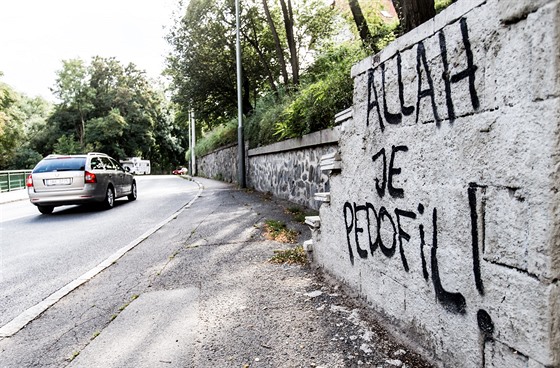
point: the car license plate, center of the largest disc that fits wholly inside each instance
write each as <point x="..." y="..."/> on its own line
<point x="65" y="181"/>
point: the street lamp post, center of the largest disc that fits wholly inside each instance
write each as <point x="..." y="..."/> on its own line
<point x="193" y="140"/>
<point x="240" y="138"/>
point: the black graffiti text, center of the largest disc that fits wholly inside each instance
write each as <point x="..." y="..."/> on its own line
<point x="388" y="173"/>
<point x="372" y="221"/>
<point x="425" y="87"/>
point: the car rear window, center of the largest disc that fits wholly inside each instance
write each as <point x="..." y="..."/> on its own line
<point x="61" y="164"/>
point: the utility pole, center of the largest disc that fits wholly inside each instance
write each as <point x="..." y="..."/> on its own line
<point x="193" y="140"/>
<point x="240" y="138"/>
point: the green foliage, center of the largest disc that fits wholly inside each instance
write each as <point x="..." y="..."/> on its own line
<point x="202" y="61"/>
<point x="220" y="136"/>
<point x="382" y="32"/>
<point x="103" y="106"/>
<point x="315" y="106"/>
<point x="110" y="107"/>
<point x="327" y="89"/>
<point x="260" y="127"/>
<point x="25" y="158"/>
<point x="442" y="4"/>
<point x="67" y="145"/>
<point x="202" y="67"/>
<point x="103" y="132"/>
<point x="294" y="255"/>
<point x="20" y="117"/>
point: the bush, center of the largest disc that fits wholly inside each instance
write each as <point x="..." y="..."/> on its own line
<point x="326" y="89"/>
<point x="260" y="126"/>
<point x="220" y="136"/>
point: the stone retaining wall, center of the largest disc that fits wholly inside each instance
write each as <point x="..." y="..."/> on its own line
<point x="288" y="170"/>
<point x="219" y="165"/>
<point x="445" y="216"/>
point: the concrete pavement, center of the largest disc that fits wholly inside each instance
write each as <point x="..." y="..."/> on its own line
<point x="201" y="292"/>
<point x="14" y="195"/>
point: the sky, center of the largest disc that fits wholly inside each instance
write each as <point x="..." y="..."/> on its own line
<point x="36" y="35"/>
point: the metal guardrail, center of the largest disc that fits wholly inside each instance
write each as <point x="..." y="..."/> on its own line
<point x="13" y="179"/>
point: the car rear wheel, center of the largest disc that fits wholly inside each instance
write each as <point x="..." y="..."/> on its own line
<point x="133" y="194"/>
<point x="45" y="210"/>
<point x="109" y="201"/>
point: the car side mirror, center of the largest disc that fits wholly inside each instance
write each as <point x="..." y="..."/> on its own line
<point x="127" y="169"/>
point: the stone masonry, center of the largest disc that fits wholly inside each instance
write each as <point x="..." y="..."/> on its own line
<point x="446" y="213"/>
<point x="288" y="170"/>
<point x="219" y="165"/>
<point x="292" y="175"/>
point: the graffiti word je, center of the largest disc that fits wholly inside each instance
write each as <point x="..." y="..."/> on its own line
<point x="389" y="173"/>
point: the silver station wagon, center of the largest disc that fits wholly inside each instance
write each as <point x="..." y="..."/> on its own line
<point x="60" y="180"/>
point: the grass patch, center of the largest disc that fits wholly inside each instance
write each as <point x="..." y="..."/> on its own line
<point x="294" y="255"/>
<point x="299" y="214"/>
<point x="123" y="307"/>
<point x="74" y="356"/>
<point x="277" y="230"/>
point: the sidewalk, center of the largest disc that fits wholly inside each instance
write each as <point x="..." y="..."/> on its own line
<point x="14" y="195"/>
<point x="201" y="292"/>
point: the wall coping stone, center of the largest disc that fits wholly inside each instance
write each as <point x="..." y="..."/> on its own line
<point x="319" y="138"/>
<point x="449" y="15"/>
<point x="220" y="149"/>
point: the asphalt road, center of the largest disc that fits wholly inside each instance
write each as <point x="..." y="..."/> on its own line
<point x="39" y="254"/>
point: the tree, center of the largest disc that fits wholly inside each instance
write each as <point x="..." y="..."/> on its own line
<point x="288" y="15"/>
<point x="20" y="117"/>
<point x="67" y="145"/>
<point x="11" y="124"/>
<point x="277" y="43"/>
<point x="412" y="13"/>
<point x="202" y="61"/>
<point x="122" y="108"/>
<point x="361" y="23"/>
<point x="74" y="92"/>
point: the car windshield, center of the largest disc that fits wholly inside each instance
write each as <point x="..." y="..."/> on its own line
<point x="61" y="164"/>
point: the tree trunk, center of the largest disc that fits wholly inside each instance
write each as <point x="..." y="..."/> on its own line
<point x="277" y="44"/>
<point x="361" y="23"/>
<point x="289" y="24"/>
<point x="246" y="105"/>
<point x="255" y="43"/>
<point x="412" y="13"/>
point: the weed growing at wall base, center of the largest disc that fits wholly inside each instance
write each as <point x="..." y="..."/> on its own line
<point x="277" y="230"/>
<point x="294" y="255"/>
<point x="299" y="214"/>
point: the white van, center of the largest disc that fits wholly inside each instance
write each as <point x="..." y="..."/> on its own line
<point x="137" y="165"/>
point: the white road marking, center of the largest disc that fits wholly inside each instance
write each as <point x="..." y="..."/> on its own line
<point x="19" y="322"/>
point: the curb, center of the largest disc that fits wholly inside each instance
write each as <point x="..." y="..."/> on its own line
<point x="19" y="322"/>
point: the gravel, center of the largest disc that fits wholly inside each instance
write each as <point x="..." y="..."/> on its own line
<point x="254" y="313"/>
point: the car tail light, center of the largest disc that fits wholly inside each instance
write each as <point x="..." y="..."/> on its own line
<point x="29" y="182"/>
<point x="90" y="177"/>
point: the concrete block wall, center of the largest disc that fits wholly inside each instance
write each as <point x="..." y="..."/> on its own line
<point x="446" y="213"/>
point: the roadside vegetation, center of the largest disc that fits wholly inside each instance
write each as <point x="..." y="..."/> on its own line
<point x="286" y="93"/>
<point x="278" y="231"/>
<point x="295" y="255"/>
<point x="297" y="56"/>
